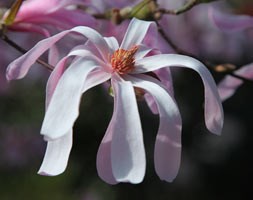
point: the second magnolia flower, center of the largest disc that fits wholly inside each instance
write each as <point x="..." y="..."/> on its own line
<point x="121" y="155"/>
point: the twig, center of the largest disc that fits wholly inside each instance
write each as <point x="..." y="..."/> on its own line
<point x="187" y="6"/>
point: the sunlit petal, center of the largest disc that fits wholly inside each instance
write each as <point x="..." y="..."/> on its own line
<point x="63" y="107"/>
<point x="127" y="150"/>
<point x="213" y="108"/>
<point x="168" y="140"/>
<point x="57" y="154"/>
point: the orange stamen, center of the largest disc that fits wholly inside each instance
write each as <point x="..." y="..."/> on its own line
<point x="122" y="60"/>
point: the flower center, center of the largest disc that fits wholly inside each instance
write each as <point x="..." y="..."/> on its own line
<point x="122" y="60"/>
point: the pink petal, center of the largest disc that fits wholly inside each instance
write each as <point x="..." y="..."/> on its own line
<point x="104" y="160"/>
<point x="35" y="8"/>
<point x="230" y="22"/>
<point x="164" y="75"/>
<point x="127" y="148"/>
<point x="135" y="33"/>
<point x="57" y="154"/>
<point x="151" y="103"/>
<point x="63" y="107"/>
<point x="53" y="55"/>
<point x="32" y="28"/>
<point x="168" y="140"/>
<point x="213" y="108"/>
<point x="228" y="86"/>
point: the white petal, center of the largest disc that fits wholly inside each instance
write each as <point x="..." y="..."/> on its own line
<point x="96" y="39"/>
<point x="94" y="78"/>
<point x="57" y="154"/>
<point x="213" y="108"/>
<point x="127" y="150"/>
<point x="63" y="108"/>
<point x="142" y="51"/>
<point x="112" y="43"/>
<point x="59" y="69"/>
<point x="168" y="140"/>
<point x="135" y="33"/>
<point x="19" y="67"/>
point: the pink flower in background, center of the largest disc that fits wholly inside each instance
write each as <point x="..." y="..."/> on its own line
<point x="229" y="19"/>
<point x="42" y="16"/>
<point x="228" y="86"/>
<point x="121" y="155"/>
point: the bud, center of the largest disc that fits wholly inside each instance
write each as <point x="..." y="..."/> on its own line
<point x="144" y="10"/>
<point x="12" y="13"/>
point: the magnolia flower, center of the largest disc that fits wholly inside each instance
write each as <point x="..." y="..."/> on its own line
<point x="228" y="86"/>
<point x="37" y="16"/>
<point x="121" y="155"/>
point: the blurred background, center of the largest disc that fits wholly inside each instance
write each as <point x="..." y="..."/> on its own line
<point x="213" y="167"/>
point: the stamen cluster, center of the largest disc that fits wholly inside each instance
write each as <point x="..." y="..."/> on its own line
<point x="123" y="61"/>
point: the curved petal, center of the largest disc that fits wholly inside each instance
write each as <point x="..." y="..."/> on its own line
<point x="56" y="157"/>
<point x="53" y="55"/>
<point x="168" y="140"/>
<point x="32" y="28"/>
<point x="164" y="75"/>
<point x="127" y="148"/>
<point x="135" y="33"/>
<point x="57" y="152"/>
<point x="151" y="103"/>
<point x="63" y="107"/>
<point x="104" y="159"/>
<point x="56" y="74"/>
<point x="112" y="43"/>
<point x="34" y="9"/>
<point x="19" y="67"/>
<point x="230" y="22"/>
<point x="213" y="108"/>
<point x="228" y="86"/>
<point x="95" y="38"/>
<point x="94" y="78"/>
<point x="142" y="51"/>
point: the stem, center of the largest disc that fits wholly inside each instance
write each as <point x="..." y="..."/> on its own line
<point x="23" y="51"/>
<point x="169" y="41"/>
